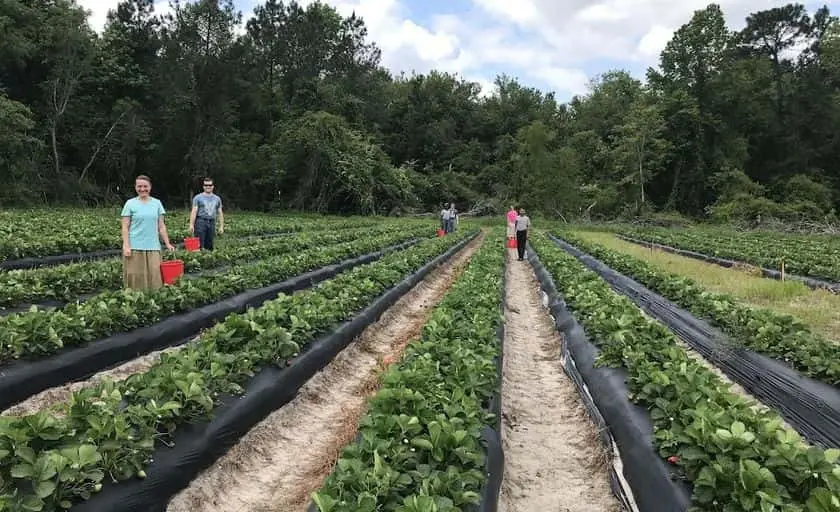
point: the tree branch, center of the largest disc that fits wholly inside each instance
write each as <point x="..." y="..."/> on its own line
<point x="101" y="144"/>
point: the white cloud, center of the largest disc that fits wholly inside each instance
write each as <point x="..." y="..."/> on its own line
<point x="552" y="44"/>
<point x="605" y="12"/>
<point x="98" y="10"/>
<point x="453" y="44"/>
<point x="627" y="31"/>
<point x="488" y="88"/>
<point x="654" y="41"/>
<point x="569" y="80"/>
<point x="523" y="12"/>
<point x="556" y="45"/>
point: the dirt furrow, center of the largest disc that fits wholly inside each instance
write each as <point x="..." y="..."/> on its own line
<point x="53" y="396"/>
<point x="281" y="461"/>
<point x="554" y="460"/>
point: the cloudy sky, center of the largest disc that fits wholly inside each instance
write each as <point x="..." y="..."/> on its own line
<point x="554" y="45"/>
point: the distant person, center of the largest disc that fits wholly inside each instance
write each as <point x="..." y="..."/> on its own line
<point x="453" y="217"/>
<point x="142" y="229"/>
<point x="206" y="206"/>
<point x="523" y="223"/>
<point x="511" y="222"/>
<point x="444" y="219"/>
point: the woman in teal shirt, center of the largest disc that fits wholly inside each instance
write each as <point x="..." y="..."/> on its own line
<point x="142" y="228"/>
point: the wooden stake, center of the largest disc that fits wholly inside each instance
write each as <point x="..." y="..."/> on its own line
<point x="783" y="268"/>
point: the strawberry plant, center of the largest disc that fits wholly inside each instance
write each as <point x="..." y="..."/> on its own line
<point x="35" y="233"/>
<point x="26" y="236"/>
<point x="737" y="455"/>
<point x="67" y="282"/>
<point x="419" y="447"/>
<point x="125" y="421"/>
<point x="762" y="330"/>
<point x="807" y="255"/>
<point x="42" y="332"/>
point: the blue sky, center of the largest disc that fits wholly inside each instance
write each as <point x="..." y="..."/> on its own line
<point x="554" y="45"/>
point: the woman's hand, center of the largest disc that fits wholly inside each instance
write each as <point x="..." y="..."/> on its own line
<point x="170" y="247"/>
<point x="126" y="251"/>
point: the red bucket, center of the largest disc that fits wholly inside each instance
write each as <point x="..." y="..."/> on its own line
<point x="171" y="270"/>
<point x="191" y="243"/>
<point x="511" y="243"/>
<point x="440" y="232"/>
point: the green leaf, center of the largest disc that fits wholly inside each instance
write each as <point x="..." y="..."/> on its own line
<point x="22" y="471"/>
<point x="88" y="455"/>
<point x="44" y="488"/>
<point x="32" y="503"/>
<point x="693" y="453"/>
<point x="424" y="444"/>
<point x="324" y="502"/>
<point x="822" y="500"/>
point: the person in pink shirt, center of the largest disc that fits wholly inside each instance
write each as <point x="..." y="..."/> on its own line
<point x="511" y="222"/>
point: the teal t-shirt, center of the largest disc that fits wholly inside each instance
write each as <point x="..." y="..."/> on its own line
<point x="143" y="228"/>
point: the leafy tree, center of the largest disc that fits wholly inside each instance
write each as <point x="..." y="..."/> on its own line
<point x="640" y="147"/>
<point x="17" y="148"/>
<point x="294" y="110"/>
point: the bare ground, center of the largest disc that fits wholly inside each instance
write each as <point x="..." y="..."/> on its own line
<point x="554" y="460"/>
<point x="53" y="396"/>
<point x="281" y="461"/>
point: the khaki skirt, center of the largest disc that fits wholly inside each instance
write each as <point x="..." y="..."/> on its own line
<point x="141" y="270"/>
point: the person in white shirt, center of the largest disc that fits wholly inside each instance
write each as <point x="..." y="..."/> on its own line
<point x="523" y="223"/>
<point x="453" y="218"/>
<point x="444" y="219"/>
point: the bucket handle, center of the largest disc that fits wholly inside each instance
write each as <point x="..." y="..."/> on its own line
<point x="169" y="255"/>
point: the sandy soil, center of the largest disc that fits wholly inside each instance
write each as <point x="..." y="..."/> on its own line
<point x="554" y="461"/>
<point x="281" y="461"/>
<point x="51" y="397"/>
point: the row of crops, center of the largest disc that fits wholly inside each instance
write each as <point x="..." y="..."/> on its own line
<point x="712" y="444"/>
<point x="815" y="256"/>
<point x="764" y="331"/>
<point x="42" y="331"/>
<point x="252" y="321"/>
<point x="423" y="428"/>
<point x="46" y="233"/>
<point x="70" y="281"/>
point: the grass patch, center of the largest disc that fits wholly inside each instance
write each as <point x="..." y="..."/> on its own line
<point x="817" y="308"/>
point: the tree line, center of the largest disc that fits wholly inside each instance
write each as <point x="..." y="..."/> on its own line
<point x="294" y="110"/>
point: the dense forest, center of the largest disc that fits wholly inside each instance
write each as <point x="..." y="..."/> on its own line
<point x="294" y="110"/>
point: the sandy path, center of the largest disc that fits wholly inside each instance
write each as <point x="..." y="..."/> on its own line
<point x="281" y="461"/>
<point x="554" y="461"/>
<point x="52" y="396"/>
